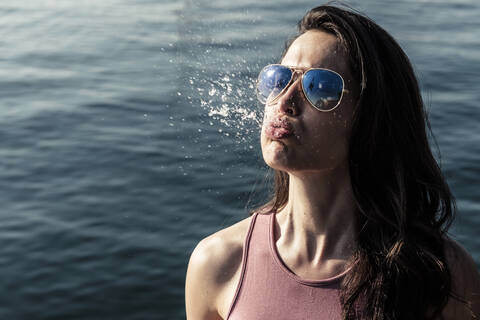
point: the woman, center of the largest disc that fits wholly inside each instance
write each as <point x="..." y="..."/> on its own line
<point x="356" y="228"/>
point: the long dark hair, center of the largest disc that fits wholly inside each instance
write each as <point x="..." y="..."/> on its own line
<point x="404" y="205"/>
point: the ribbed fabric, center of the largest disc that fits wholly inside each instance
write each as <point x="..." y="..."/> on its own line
<point x="268" y="290"/>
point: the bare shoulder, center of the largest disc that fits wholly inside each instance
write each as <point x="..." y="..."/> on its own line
<point x="465" y="282"/>
<point x="213" y="263"/>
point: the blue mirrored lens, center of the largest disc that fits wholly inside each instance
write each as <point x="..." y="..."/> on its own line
<point x="323" y="88"/>
<point x="271" y="81"/>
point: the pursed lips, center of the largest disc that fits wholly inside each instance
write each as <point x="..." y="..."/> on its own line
<point x="278" y="129"/>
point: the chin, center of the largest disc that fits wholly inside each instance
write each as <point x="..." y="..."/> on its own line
<point x="283" y="161"/>
<point x="276" y="165"/>
<point x="277" y="156"/>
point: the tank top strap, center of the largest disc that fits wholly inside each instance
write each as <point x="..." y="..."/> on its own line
<point x="255" y="243"/>
<point x="260" y="239"/>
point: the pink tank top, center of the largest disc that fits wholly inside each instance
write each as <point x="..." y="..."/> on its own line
<point x="268" y="290"/>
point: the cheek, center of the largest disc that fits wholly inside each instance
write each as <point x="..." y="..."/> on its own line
<point x="335" y="126"/>
<point x="263" y="139"/>
<point x="264" y="144"/>
<point x="268" y="114"/>
<point x="326" y="139"/>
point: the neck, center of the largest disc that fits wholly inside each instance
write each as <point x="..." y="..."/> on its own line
<point x="318" y="220"/>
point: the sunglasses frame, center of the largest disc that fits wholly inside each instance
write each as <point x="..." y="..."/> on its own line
<point x="302" y="72"/>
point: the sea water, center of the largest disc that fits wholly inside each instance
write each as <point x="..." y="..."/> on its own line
<point x="130" y="131"/>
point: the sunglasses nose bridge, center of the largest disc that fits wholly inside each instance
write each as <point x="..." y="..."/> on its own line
<point x="296" y="73"/>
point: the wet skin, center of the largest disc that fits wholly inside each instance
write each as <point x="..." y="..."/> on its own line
<point x="319" y="140"/>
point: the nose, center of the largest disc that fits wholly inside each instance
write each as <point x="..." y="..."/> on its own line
<point x="288" y="102"/>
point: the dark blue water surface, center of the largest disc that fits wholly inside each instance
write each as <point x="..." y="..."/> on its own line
<point x="129" y="131"/>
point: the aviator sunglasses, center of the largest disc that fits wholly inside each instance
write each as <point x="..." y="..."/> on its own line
<point x="323" y="88"/>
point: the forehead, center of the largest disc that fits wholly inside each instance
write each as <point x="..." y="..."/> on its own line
<point x="316" y="49"/>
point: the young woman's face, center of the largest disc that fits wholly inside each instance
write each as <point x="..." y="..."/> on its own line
<point x="320" y="139"/>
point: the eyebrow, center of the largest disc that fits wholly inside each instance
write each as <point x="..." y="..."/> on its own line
<point x="307" y="68"/>
<point x="300" y="67"/>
